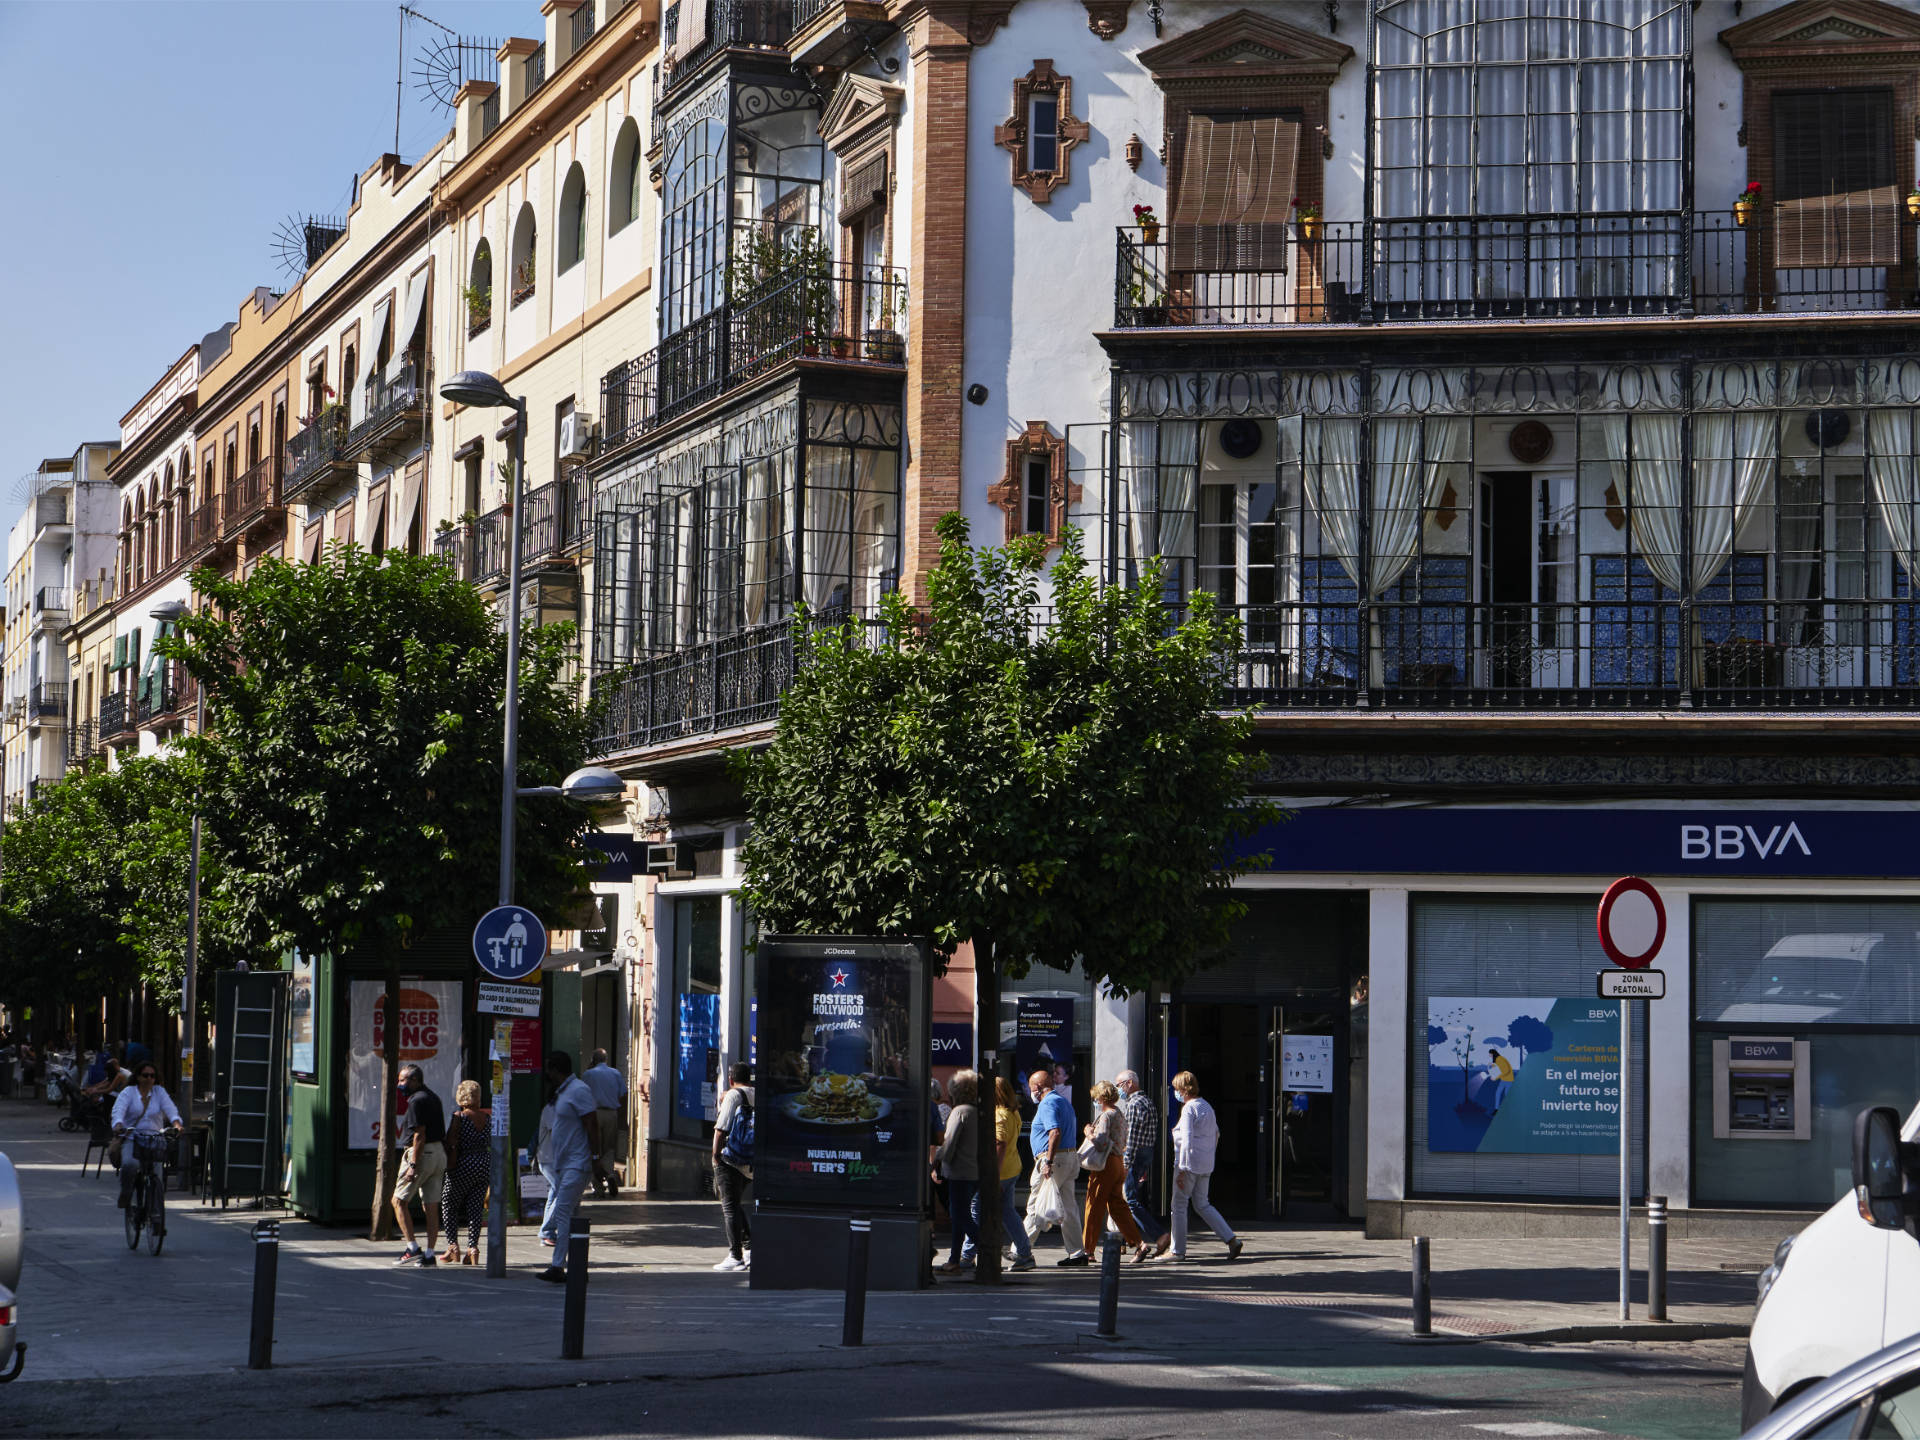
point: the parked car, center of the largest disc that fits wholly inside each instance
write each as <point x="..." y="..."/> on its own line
<point x="1841" y="1290"/>
<point x="13" y="1224"/>
<point x="1877" y="1396"/>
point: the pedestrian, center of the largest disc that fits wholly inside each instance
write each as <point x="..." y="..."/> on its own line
<point x="542" y="1151"/>
<point x="1143" y="1128"/>
<point x="937" y="1111"/>
<point x="609" y="1088"/>
<point x="1006" y="1137"/>
<point x="1195" y="1137"/>
<point x="423" y="1164"/>
<point x="1051" y="1200"/>
<point x="733" y="1166"/>
<point x="958" y="1162"/>
<point x="575" y="1144"/>
<point x="469" y="1163"/>
<point x="1103" y="1157"/>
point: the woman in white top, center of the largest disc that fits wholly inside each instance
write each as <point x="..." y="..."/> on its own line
<point x="144" y="1108"/>
<point x="1195" y="1137"/>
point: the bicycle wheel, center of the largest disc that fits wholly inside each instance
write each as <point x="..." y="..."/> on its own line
<point x="133" y="1215"/>
<point x="156" y="1210"/>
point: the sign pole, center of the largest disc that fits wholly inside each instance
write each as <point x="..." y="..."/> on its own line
<point x="1626" y="1172"/>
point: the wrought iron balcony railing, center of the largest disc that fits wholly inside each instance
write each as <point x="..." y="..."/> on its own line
<point x="1675" y="263"/>
<point x="715" y="686"/>
<point x="489" y="556"/>
<point x="115" y="717"/>
<point x="537" y="65"/>
<point x="489" y="114"/>
<point x="162" y="692"/>
<point x="581" y="24"/>
<point x="731" y="24"/>
<point x="316" y="452"/>
<point x="47" y="701"/>
<point x="83" y="738"/>
<point x="253" y="495"/>
<point x="455" y="546"/>
<point x="397" y="409"/>
<point x="556" y="516"/>
<point x="200" y="529"/>
<point x="850" y="313"/>
<point x="52" y="600"/>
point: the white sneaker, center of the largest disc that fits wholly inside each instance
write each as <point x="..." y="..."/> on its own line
<point x="729" y="1265"/>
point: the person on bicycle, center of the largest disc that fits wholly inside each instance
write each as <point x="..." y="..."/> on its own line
<point x="144" y="1107"/>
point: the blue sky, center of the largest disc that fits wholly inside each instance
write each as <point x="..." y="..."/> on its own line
<point x="155" y="148"/>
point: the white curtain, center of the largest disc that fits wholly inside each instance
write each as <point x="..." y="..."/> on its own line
<point x="1331" y="469"/>
<point x="1408" y="479"/>
<point x="829" y="510"/>
<point x="1648" y="483"/>
<point x="1890" y="461"/>
<point x="1179" y="482"/>
<point x="753" y="539"/>
<point x="876" y="505"/>
<point x="1733" y="465"/>
<point x="686" y="568"/>
<point x="1140" y="486"/>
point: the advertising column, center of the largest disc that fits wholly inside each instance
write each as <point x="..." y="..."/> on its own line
<point x="842" y="1114"/>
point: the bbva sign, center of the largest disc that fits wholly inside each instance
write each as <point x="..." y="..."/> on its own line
<point x="1738" y="842"/>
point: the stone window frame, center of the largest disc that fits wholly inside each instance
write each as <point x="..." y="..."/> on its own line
<point x="1070" y="131"/>
<point x="1038" y="439"/>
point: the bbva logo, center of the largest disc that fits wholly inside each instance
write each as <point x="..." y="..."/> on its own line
<point x="944" y="1043"/>
<point x="1733" y="842"/>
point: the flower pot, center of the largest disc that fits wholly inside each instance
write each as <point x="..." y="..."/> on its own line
<point x="809" y="345"/>
<point x="1741" y="210"/>
<point x="1150" y="314"/>
<point x="885" y="347"/>
<point x="1913" y="205"/>
<point x="1309" y="227"/>
<point x="1150" y="231"/>
<point x="842" y="346"/>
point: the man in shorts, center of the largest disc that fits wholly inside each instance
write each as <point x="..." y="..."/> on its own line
<point x="423" y="1165"/>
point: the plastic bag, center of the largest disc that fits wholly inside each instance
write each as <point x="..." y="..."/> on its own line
<point x="1047" y="1205"/>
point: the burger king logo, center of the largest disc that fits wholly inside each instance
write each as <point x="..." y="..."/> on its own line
<point x="419" y="1025"/>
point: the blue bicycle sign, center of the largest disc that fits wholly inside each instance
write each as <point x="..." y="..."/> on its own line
<point x="509" y="942"/>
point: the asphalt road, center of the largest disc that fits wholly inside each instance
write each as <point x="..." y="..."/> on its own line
<point x="123" y="1343"/>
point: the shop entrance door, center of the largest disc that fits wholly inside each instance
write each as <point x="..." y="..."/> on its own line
<point x="1306" y="1109"/>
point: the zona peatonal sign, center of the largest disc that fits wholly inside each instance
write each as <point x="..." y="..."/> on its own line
<point x="841" y="1114"/>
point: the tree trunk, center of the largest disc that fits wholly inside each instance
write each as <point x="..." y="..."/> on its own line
<point x="986" y="985"/>
<point x="387" y="1159"/>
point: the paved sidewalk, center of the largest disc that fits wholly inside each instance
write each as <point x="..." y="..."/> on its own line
<point x="655" y="1299"/>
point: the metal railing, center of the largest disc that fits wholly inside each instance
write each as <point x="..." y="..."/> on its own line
<point x="83" y="738"/>
<point x="254" y="491"/>
<point x="455" y="546"/>
<point x="488" y="555"/>
<point x="166" y="691"/>
<point x="1496" y="267"/>
<point x="744" y="24"/>
<point x="849" y="313"/>
<point x="805" y="12"/>
<point x="537" y="67"/>
<point x="581" y="23"/>
<point x="490" y="114"/>
<point x="47" y="700"/>
<point x="556" y="516"/>
<point x="115" y="718"/>
<point x="313" y="450"/>
<point x="52" y="599"/>
<point x="714" y="686"/>
<point x="200" y="528"/>
<point x="400" y="397"/>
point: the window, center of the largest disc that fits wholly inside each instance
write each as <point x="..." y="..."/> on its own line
<point x="474" y="464"/>
<point x="1831" y="142"/>
<point x="696" y="1018"/>
<point x="1035" y="492"/>
<point x="524" y="258"/>
<point x="1043" y="133"/>
<point x="573" y="219"/>
<point x="627" y="175"/>
<point x="693" y="243"/>
<point x="479" y="291"/>
<point x="1035" y="499"/>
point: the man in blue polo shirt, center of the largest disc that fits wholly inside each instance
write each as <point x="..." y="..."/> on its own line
<point x="1056" y="1165"/>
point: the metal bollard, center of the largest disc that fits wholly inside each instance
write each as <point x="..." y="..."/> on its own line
<point x="573" y="1323"/>
<point x="1422" y="1287"/>
<point x="1656" y="1257"/>
<point x="853" y="1325"/>
<point x="266" y="1276"/>
<point x="1109" y="1288"/>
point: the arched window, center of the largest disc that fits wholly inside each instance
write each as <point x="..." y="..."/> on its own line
<point x="573" y="219"/>
<point x="524" y="256"/>
<point x="479" y="291"/>
<point x="625" y="178"/>
<point x="153" y="527"/>
<point x="124" y="574"/>
<point x="169" y="539"/>
<point x="253" y="446"/>
<point x="279" y="436"/>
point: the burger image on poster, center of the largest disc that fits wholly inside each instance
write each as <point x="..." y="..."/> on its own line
<point x="430" y="1036"/>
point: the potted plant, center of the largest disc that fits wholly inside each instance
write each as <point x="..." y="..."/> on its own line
<point x="884" y="343"/>
<point x="1148" y="222"/>
<point x="841" y="345"/>
<point x="523" y="275"/>
<point x="1147" y="299"/>
<point x="809" y="343"/>
<point x="1746" y="202"/>
<point x="1307" y="215"/>
<point x="479" y="303"/>
<point x="1913" y="202"/>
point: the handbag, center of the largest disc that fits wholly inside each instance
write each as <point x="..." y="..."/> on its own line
<point x="1094" y="1152"/>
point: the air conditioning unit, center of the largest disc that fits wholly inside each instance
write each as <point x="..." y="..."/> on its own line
<point x="671" y="862"/>
<point x="576" y="434"/>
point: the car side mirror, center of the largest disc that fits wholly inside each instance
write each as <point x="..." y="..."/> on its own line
<point x="1880" y="1169"/>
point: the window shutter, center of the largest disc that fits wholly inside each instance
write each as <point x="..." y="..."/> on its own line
<point x="1236" y="192"/>
<point x="119" y="652"/>
<point x="1831" y="142"/>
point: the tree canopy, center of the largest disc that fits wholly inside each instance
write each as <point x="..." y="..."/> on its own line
<point x="352" y="749"/>
<point x="1057" y="787"/>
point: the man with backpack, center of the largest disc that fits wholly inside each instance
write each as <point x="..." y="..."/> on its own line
<point x="733" y="1165"/>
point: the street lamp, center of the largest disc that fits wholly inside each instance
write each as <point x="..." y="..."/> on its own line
<point x="482" y="391"/>
<point x="172" y="612"/>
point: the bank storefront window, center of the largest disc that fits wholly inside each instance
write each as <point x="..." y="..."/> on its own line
<point x="1515" y="1064"/>
<point x="1824" y="996"/>
<point x="696" y="1019"/>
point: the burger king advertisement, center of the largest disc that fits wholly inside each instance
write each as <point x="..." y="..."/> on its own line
<point x="841" y="1114"/>
<point x="430" y="1034"/>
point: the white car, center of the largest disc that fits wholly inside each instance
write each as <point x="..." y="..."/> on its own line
<point x="1836" y="1293"/>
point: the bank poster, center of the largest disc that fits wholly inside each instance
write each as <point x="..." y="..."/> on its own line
<point x="696" y="1090"/>
<point x="1523" y="1077"/>
<point x="300" y="1038"/>
<point x="842" y="1092"/>
<point x="430" y="1033"/>
<point x="1043" y="1034"/>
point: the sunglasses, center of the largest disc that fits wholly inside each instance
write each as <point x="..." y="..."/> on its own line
<point x="148" y="1075"/>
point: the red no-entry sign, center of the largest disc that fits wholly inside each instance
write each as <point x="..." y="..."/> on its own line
<point x="1633" y="923"/>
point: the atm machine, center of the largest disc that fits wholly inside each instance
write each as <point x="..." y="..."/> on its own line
<point x="1762" y="1088"/>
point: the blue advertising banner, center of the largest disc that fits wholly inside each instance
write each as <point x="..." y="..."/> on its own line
<point x="1591" y="841"/>
<point x="696" y="1064"/>
<point x="1523" y="1077"/>
<point x="952" y="1043"/>
<point x="1043" y="1033"/>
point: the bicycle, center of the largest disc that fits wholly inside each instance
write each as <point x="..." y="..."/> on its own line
<point x="147" y="1205"/>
